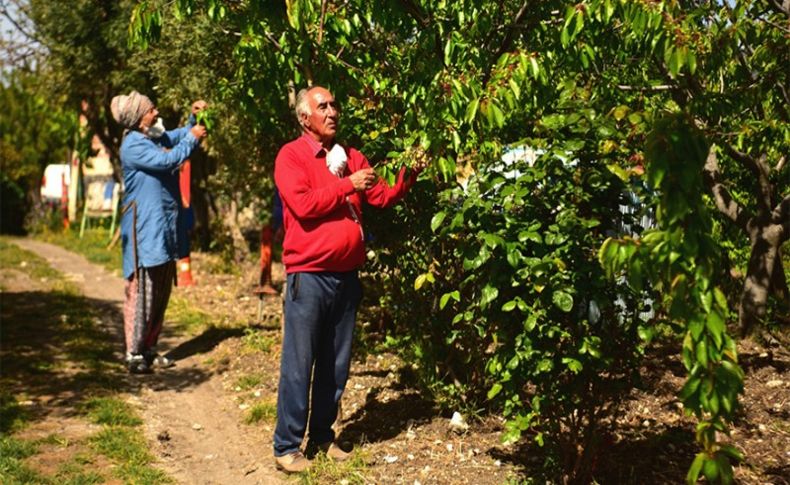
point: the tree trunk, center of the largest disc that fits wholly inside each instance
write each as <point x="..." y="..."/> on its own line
<point x="240" y="250"/>
<point x="778" y="280"/>
<point x="765" y="264"/>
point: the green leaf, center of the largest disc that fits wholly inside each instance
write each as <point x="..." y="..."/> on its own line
<point x="716" y="327"/>
<point x="692" y="62"/>
<point x="534" y="67"/>
<point x="579" y="25"/>
<point x="509" y="306"/>
<point x="455" y="295"/>
<point x="702" y="353"/>
<point x="732" y="452"/>
<point x="563" y="300"/>
<point x="691" y="386"/>
<point x="492" y="240"/>
<point x="646" y="333"/>
<point x="471" y="110"/>
<point x="495" y="389"/>
<point x="530" y="236"/>
<point x="710" y="468"/>
<point x="545" y="365"/>
<point x="620" y="112"/>
<point x="294" y="13"/>
<point x="531" y="322"/>
<point x="725" y="469"/>
<point x="675" y="62"/>
<point x="514" y="87"/>
<point x="514" y="256"/>
<point x="707" y="300"/>
<point x="721" y="300"/>
<point x="497" y="114"/>
<point x="490" y="293"/>
<point x="448" y="51"/>
<point x="565" y="37"/>
<point x="437" y="220"/>
<point x="696" y="467"/>
<point x="609" y="10"/>
<point x="420" y="281"/>
<point x="573" y="365"/>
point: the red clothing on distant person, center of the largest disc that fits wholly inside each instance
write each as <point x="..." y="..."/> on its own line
<point x="321" y="233"/>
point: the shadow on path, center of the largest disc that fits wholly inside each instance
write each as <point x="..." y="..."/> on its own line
<point x="204" y="343"/>
<point x="60" y="349"/>
<point x="640" y="456"/>
<point x="380" y="420"/>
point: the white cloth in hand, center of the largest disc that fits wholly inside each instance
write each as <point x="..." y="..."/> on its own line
<point x="336" y="160"/>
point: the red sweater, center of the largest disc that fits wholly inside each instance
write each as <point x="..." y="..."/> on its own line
<point x="321" y="233"/>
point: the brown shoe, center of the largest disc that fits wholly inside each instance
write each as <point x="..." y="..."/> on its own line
<point x="334" y="452"/>
<point x="292" y="463"/>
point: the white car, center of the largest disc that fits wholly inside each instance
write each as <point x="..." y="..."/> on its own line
<point x="56" y="179"/>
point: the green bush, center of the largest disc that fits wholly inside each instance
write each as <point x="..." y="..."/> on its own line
<point x="503" y="303"/>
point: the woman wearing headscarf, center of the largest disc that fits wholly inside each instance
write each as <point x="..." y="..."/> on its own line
<point x="150" y="158"/>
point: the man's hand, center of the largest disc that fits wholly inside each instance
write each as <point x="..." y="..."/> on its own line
<point x="363" y="179"/>
<point x="199" y="131"/>
<point x="198" y="106"/>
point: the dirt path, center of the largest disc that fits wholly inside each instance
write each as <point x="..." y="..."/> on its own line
<point x="194" y="430"/>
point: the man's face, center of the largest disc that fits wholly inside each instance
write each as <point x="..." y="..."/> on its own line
<point x="322" y="121"/>
<point x="148" y="119"/>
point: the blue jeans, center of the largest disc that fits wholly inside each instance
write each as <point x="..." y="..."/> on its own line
<point x="320" y="313"/>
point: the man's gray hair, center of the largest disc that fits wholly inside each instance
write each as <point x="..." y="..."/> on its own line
<point x="302" y="106"/>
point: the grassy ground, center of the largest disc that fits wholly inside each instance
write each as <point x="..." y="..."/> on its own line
<point x="63" y="415"/>
<point x="93" y="245"/>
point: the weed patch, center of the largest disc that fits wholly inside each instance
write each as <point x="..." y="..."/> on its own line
<point x="326" y="470"/>
<point x="11" y="447"/>
<point x="249" y="381"/>
<point x="12" y="415"/>
<point x="12" y="256"/>
<point x="261" y="412"/>
<point x="111" y="411"/>
<point x="73" y="474"/>
<point x="12" y="453"/>
<point x="121" y="443"/>
<point x="93" y="245"/>
<point x="185" y="317"/>
<point x="127" y="447"/>
<point x="257" y="340"/>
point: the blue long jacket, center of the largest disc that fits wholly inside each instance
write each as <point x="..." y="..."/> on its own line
<point x="150" y="176"/>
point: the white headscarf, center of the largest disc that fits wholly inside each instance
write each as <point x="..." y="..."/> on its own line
<point x="129" y="109"/>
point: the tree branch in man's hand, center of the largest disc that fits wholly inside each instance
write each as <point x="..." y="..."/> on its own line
<point x="199" y="131"/>
<point x="420" y="160"/>
<point x="363" y="179"/>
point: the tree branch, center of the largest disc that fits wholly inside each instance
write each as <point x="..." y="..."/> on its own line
<point x="18" y="26"/>
<point x="660" y="87"/>
<point x="777" y="26"/>
<point x="781" y="164"/>
<point x="760" y="168"/>
<point x="321" y="24"/>
<point x="780" y="7"/>
<point x="506" y="42"/>
<point x="721" y="196"/>
<point x="781" y="215"/>
<point x="416" y="12"/>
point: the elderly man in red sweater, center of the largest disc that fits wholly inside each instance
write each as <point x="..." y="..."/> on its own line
<point x="323" y="185"/>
